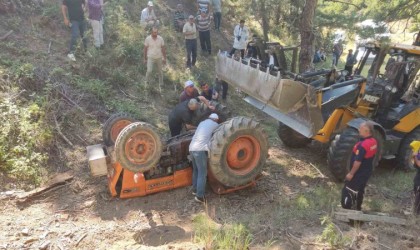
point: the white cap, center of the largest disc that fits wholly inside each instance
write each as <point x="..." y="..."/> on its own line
<point x="188" y="83"/>
<point x="214" y="116"/>
<point x="191" y="16"/>
<point x="150" y="3"/>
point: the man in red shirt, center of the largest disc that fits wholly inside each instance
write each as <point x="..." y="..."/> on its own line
<point x="362" y="166"/>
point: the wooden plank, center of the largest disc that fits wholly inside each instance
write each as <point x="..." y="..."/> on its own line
<point x="58" y="179"/>
<point x="360" y="216"/>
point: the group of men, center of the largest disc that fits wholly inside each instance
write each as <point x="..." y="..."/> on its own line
<point x="181" y="117"/>
<point x="74" y="18"/>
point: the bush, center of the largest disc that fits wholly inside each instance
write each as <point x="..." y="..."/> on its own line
<point x="22" y="136"/>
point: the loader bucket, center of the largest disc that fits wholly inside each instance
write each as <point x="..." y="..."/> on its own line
<point x="291" y="102"/>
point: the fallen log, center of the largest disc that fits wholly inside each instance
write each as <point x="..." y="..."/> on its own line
<point x="57" y="180"/>
<point x="346" y="215"/>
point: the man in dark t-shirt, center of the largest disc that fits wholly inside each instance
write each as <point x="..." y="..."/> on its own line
<point x="73" y="13"/>
<point x="416" y="158"/>
<point x="182" y="114"/>
<point x="362" y="166"/>
<point x="208" y="92"/>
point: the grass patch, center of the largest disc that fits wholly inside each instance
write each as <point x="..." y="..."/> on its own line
<point x="214" y="236"/>
<point x="332" y="235"/>
<point x="305" y="205"/>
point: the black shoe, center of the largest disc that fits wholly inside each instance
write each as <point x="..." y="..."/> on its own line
<point x="200" y="199"/>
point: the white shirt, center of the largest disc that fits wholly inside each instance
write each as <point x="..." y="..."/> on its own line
<point x="243" y="33"/>
<point x="147" y="16"/>
<point x="203" y="135"/>
<point x="190" y="28"/>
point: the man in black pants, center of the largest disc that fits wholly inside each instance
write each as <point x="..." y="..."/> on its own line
<point x="203" y="27"/>
<point x="362" y="165"/>
<point x="190" y="33"/>
<point x="182" y="114"/>
<point x="74" y="9"/>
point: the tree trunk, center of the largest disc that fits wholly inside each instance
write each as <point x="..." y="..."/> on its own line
<point x="307" y="36"/>
<point x="263" y="14"/>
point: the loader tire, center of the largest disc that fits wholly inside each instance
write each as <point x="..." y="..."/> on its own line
<point x="291" y="138"/>
<point x="238" y="151"/>
<point x="341" y="148"/>
<point x="404" y="157"/>
<point x="138" y="147"/>
<point x="113" y="127"/>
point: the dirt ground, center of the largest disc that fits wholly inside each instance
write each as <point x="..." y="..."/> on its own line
<point x="82" y="215"/>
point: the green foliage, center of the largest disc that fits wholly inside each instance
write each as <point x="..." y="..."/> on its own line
<point x="52" y="10"/>
<point x="23" y="134"/>
<point x="331" y="235"/>
<point x="97" y="87"/>
<point x="235" y="236"/>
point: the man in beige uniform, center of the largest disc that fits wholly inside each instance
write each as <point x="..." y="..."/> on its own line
<point x="154" y="54"/>
<point x="190" y="33"/>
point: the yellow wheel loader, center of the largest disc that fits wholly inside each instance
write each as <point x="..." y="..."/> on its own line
<point x="310" y="106"/>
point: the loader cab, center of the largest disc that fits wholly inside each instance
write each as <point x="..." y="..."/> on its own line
<point x="392" y="83"/>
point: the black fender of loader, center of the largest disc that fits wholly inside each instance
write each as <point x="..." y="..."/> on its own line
<point x="355" y="123"/>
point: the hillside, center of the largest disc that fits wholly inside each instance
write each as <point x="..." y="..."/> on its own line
<point x="61" y="106"/>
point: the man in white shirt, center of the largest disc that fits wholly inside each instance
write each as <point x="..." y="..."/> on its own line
<point x="154" y="54"/>
<point x="240" y="34"/>
<point x="148" y="17"/>
<point x="199" y="151"/>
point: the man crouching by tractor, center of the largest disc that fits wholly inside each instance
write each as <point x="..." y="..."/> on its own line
<point x="362" y="165"/>
<point x="199" y="150"/>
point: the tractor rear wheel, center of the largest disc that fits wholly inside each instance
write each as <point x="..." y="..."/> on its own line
<point x="341" y="148"/>
<point x="404" y="157"/>
<point x="291" y="138"/>
<point x="238" y="151"/>
<point x="113" y="127"/>
<point x="138" y="147"/>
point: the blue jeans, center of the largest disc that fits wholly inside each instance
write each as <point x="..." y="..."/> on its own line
<point x="191" y="45"/>
<point x="77" y="28"/>
<point x="199" y="161"/>
<point x="217" y="20"/>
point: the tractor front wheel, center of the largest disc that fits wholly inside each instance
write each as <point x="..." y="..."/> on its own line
<point x="138" y="147"/>
<point x="238" y="151"/>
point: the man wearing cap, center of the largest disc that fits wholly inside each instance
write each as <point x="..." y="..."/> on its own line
<point x="191" y="92"/>
<point x="203" y="27"/>
<point x="148" y="17"/>
<point x="190" y="33"/>
<point x="154" y="54"/>
<point x="182" y="114"/>
<point x="199" y="148"/>
<point x="240" y="34"/>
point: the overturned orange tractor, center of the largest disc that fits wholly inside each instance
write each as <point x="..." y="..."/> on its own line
<point x="137" y="162"/>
